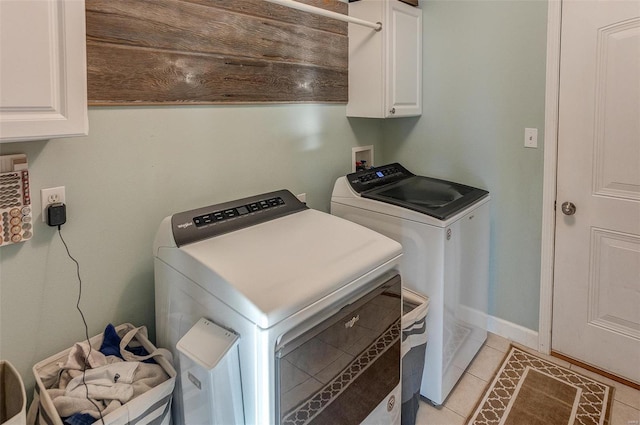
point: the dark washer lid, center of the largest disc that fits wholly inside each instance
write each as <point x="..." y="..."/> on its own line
<point x="395" y="185"/>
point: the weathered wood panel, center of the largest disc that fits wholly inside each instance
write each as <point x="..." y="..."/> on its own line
<point x="213" y="51"/>
<point x="168" y="77"/>
<point x="187" y="27"/>
<point x="280" y="13"/>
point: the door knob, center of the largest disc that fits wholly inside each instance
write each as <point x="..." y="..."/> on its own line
<point x="568" y="208"/>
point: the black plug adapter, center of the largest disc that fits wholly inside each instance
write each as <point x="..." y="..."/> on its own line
<point x="56" y="214"/>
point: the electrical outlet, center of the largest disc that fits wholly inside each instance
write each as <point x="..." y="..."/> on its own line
<point x="50" y="196"/>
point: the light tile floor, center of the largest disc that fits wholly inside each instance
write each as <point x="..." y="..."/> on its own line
<point x="466" y="394"/>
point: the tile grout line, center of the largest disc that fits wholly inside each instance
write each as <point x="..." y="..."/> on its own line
<point x="455" y="413"/>
<point x="479" y="377"/>
<point x="626" y="404"/>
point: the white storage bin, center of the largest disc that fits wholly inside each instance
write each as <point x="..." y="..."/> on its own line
<point x="153" y="406"/>
<point x="13" y="399"/>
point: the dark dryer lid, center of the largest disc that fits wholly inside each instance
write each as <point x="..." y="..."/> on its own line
<point x="395" y="185"/>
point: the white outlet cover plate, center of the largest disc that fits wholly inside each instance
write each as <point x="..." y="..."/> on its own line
<point x="45" y="194"/>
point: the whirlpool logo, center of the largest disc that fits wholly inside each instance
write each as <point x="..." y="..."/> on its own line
<point x="350" y="323"/>
<point x="185" y="225"/>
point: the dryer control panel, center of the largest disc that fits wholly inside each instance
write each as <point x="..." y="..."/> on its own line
<point x="214" y="220"/>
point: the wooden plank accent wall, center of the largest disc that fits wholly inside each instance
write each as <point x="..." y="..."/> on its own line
<point x="214" y="51"/>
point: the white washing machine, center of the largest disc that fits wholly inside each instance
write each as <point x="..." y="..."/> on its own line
<point x="444" y="231"/>
<point x="309" y="303"/>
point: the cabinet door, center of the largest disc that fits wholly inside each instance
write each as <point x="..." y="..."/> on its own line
<point x="404" y="64"/>
<point x="43" y="86"/>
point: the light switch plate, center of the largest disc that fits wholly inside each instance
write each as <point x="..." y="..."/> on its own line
<point x="530" y="137"/>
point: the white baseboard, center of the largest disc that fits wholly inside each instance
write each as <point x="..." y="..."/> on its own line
<point x="512" y="331"/>
<point x="500" y="327"/>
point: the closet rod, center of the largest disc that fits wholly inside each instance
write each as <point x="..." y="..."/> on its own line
<point x="327" y="13"/>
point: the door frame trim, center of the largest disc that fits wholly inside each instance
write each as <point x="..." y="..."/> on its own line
<point x="552" y="95"/>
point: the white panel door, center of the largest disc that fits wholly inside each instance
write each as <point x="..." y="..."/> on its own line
<point x="596" y="307"/>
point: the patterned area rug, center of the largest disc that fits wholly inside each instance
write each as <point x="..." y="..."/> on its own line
<point x="533" y="391"/>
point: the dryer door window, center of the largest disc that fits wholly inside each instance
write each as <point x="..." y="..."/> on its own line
<point x="340" y="370"/>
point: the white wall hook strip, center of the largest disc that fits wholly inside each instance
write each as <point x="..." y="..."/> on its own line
<point x="326" y="13"/>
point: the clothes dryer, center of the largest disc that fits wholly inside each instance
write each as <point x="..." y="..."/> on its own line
<point x="306" y="305"/>
<point x="444" y="231"/>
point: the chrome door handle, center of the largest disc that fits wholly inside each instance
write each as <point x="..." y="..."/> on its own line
<point x="568" y="208"/>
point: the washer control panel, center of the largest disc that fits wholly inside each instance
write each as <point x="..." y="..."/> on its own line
<point x="15" y="200"/>
<point x="375" y="177"/>
<point x="208" y="222"/>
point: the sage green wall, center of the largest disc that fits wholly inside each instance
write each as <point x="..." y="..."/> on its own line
<point x="484" y="82"/>
<point x="137" y="166"/>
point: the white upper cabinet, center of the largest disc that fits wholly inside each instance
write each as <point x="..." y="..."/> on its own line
<point x="43" y="78"/>
<point x="385" y="67"/>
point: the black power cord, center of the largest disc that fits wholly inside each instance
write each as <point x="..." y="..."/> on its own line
<point x="57" y="216"/>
